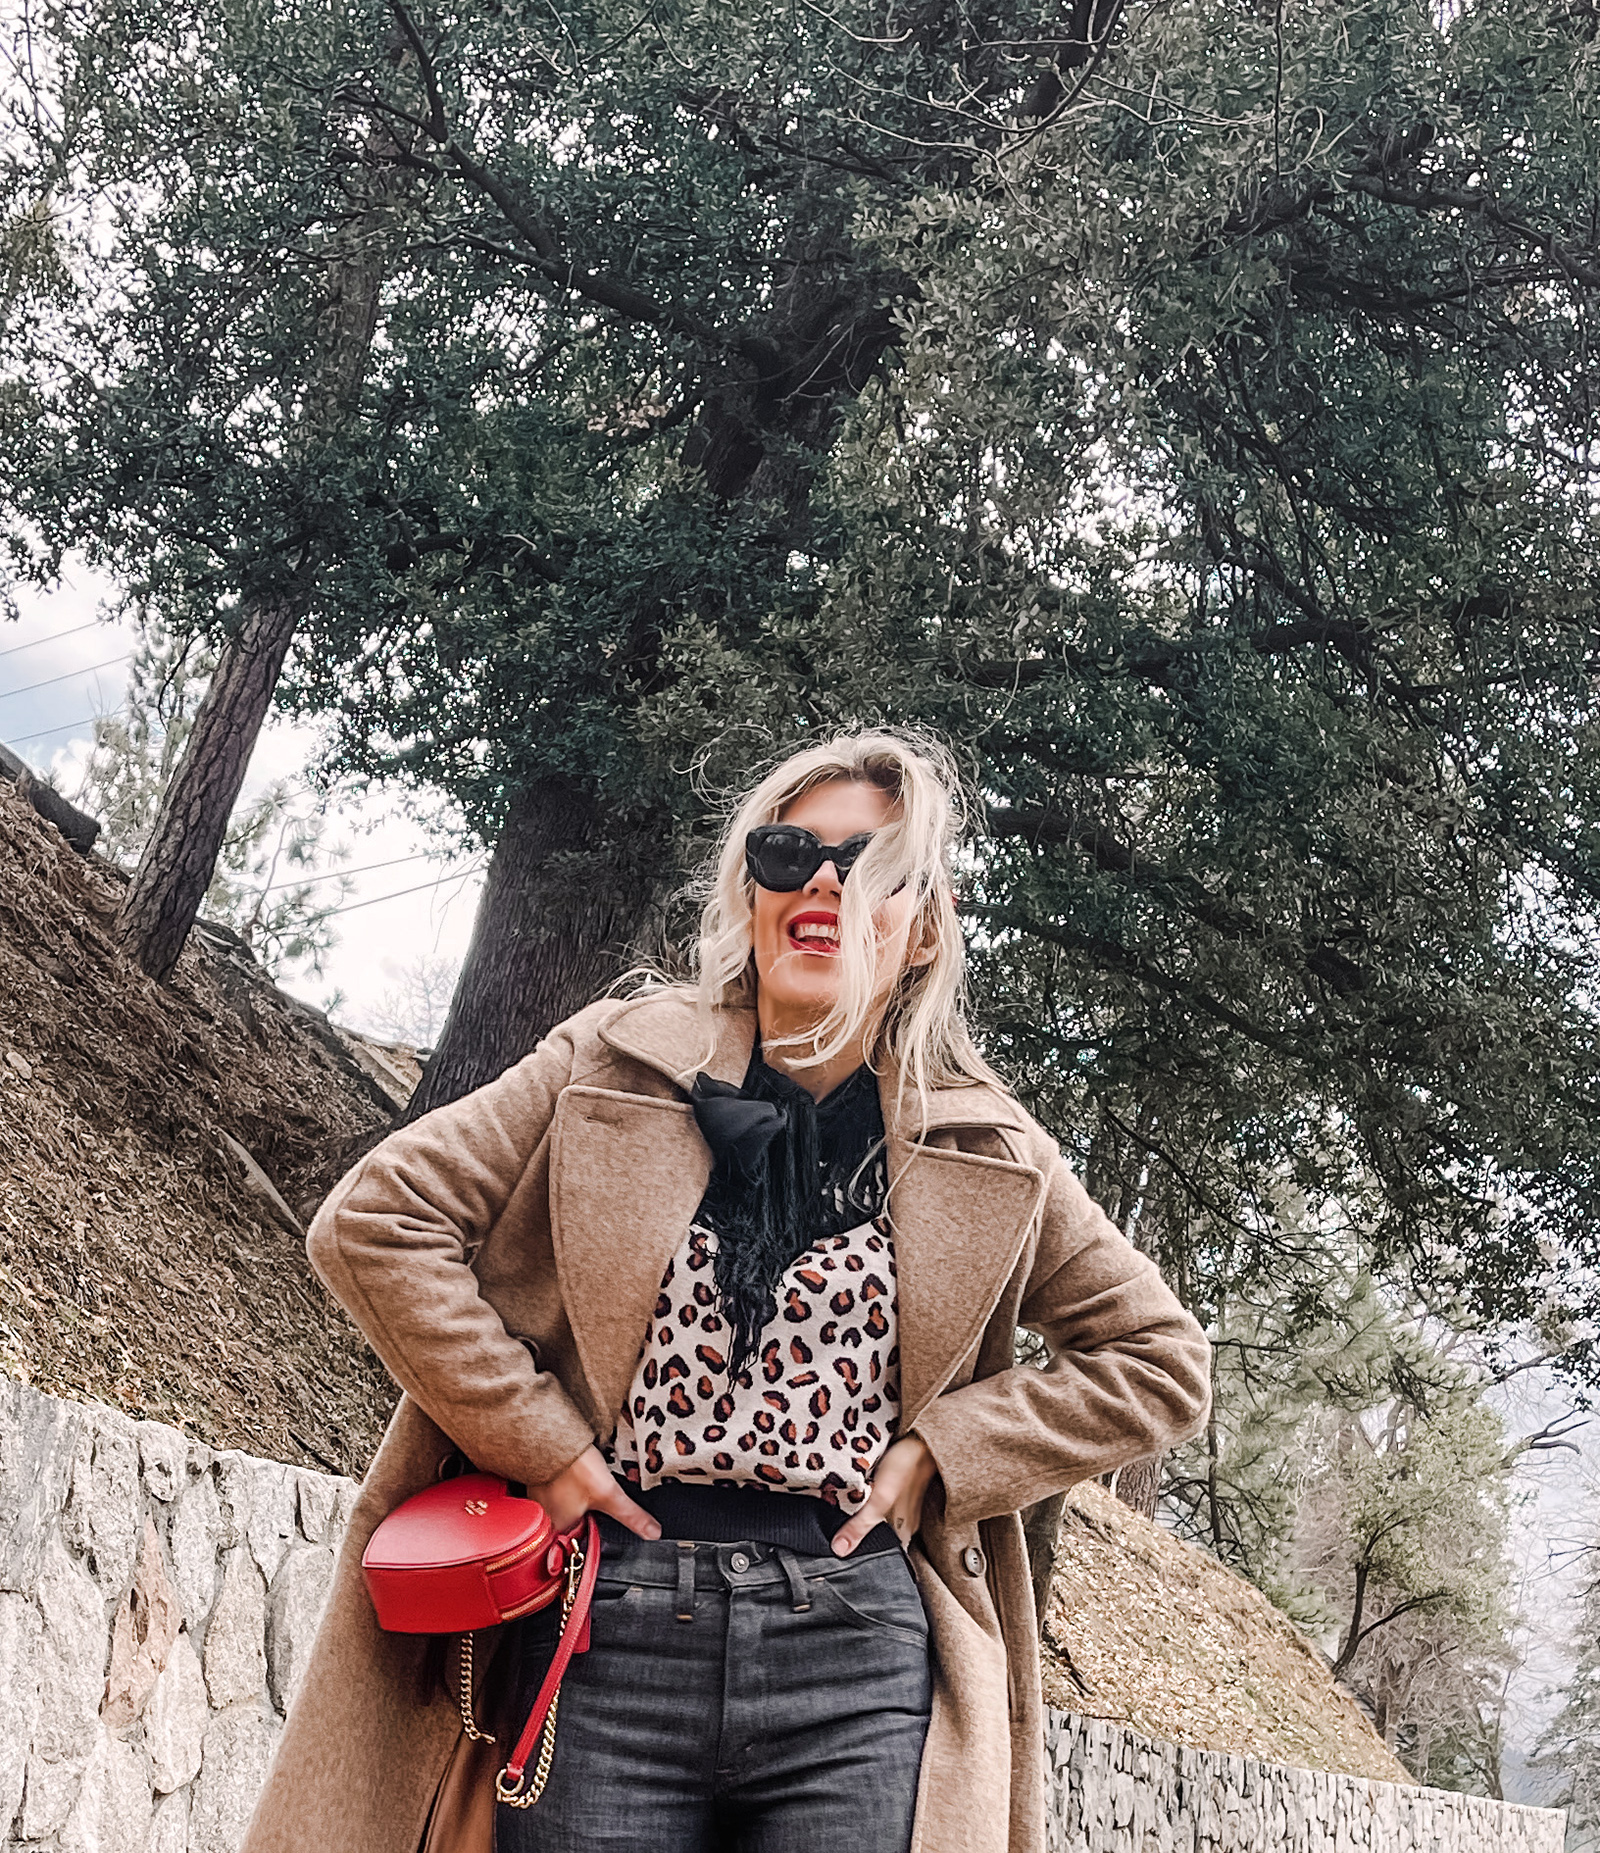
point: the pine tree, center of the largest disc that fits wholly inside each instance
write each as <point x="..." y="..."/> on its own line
<point x="274" y="882"/>
<point x="1570" y="1748"/>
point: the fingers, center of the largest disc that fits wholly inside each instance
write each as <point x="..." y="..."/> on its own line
<point x="847" y="1537"/>
<point x="616" y="1504"/>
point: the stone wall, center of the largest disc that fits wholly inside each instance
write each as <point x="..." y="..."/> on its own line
<point x="1115" y="1792"/>
<point x="157" y="1601"/>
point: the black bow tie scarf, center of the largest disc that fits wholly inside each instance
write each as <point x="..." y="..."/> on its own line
<point x="784" y="1173"/>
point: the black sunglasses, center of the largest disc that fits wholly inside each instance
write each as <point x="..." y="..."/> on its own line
<point x="783" y="857"/>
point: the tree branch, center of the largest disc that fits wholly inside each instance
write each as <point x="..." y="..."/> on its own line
<point x="1049" y="824"/>
<point x="435" y="125"/>
<point x="1348" y="1652"/>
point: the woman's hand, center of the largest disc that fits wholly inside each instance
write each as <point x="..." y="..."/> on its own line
<point x="586" y="1485"/>
<point x="898" y="1488"/>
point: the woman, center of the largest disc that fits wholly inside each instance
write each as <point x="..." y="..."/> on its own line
<point x="740" y="1269"/>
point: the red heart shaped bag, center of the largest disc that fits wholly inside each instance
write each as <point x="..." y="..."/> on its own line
<point x="466" y="1554"/>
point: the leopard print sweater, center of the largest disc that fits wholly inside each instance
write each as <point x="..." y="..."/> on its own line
<point x="817" y="1408"/>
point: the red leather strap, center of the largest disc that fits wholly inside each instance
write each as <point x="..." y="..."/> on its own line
<point x="574" y="1638"/>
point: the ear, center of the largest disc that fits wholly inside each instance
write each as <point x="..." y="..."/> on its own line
<point x="922" y="953"/>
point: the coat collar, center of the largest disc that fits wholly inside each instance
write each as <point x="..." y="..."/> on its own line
<point x="664" y="1030"/>
<point x="961" y="1219"/>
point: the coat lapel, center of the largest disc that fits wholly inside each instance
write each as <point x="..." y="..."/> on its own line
<point x="961" y="1221"/>
<point x="629" y="1169"/>
<point x="627" y="1172"/>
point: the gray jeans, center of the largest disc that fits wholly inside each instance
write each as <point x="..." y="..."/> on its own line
<point x="736" y="1698"/>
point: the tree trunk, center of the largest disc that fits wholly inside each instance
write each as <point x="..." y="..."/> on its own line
<point x="553" y="929"/>
<point x="761" y="433"/>
<point x="181" y="856"/>
<point x="1139" y="1484"/>
<point x="1041" y="1527"/>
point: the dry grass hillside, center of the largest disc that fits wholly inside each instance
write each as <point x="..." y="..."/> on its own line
<point x="1147" y="1629"/>
<point x="140" y="1266"/>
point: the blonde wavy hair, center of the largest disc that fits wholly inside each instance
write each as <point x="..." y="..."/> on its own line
<point x="920" y="1025"/>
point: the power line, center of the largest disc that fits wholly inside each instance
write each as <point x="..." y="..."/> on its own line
<point x="65" y="727"/>
<point x="50" y="681"/>
<point x="54" y="637"/>
<point x="366" y="868"/>
<point x="459" y="875"/>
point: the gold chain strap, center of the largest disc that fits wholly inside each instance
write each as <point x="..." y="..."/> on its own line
<point x="514" y="1795"/>
<point x="468" y="1723"/>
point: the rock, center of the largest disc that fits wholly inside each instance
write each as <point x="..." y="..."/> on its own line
<point x="162" y="1456"/>
<point x="236" y="1658"/>
<point x="319" y="1504"/>
<point x="72" y="1660"/>
<point x="112" y="1812"/>
<point x="169" y="1825"/>
<point x="76" y="826"/>
<point x="294" y="1607"/>
<point x="19" y="1698"/>
<point x="236" y="1484"/>
<point x="147" y="1624"/>
<point x="344" y="1511"/>
<point x="233" y="1767"/>
<point x="19" y="1064"/>
<point x="272" y="1512"/>
<point x="196" y="1530"/>
<point x="38" y="1439"/>
<point x="175" y="1719"/>
<point x="262" y="1188"/>
<point x="102" y="1517"/>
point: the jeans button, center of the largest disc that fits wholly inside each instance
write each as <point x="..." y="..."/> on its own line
<point x="972" y="1560"/>
<point x="739" y="1561"/>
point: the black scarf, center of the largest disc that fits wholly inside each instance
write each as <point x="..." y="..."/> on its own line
<point x="786" y="1172"/>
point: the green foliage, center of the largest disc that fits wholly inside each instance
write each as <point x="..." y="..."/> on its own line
<point x="274" y="839"/>
<point x="1354" y="1469"/>
<point x="1201" y="437"/>
<point x="1570" y="1748"/>
<point x="1257" y="565"/>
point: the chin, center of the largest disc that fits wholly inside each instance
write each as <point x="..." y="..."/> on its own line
<point x="816" y="994"/>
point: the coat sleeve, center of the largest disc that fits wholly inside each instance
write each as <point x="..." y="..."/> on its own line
<point x="1128" y="1372"/>
<point x="392" y="1244"/>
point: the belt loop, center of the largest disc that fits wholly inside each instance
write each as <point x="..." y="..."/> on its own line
<point x="685" y="1580"/>
<point x="797" y="1583"/>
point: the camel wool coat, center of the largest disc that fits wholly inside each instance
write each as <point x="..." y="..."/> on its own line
<point x="503" y="1255"/>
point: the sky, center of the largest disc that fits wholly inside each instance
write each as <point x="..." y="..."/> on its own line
<point x="63" y="661"/>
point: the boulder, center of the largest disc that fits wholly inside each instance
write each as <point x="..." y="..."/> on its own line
<point x="101" y="1521"/>
<point x="112" y="1812"/>
<point x="175" y="1719"/>
<point x="233" y="1767"/>
<point x="236" y="1655"/>
<point x="196" y="1528"/>
<point x="19" y="1698"/>
<point x="294" y="1608"/>
<point x="72" y="1662"/>
<point x="147" y="1623"/>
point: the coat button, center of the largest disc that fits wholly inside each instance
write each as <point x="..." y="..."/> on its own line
<point x="972" y="1560"/>
<point x="739" y="1562"/>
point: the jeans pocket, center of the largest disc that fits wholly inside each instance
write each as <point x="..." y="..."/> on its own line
<point x="543" y="1627"/>
<point x="878" y="1595"/>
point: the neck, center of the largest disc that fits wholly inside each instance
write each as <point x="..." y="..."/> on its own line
<point x="817" y="1078"/>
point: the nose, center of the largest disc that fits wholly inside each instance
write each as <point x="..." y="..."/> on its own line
<point x="827" y="878"/>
